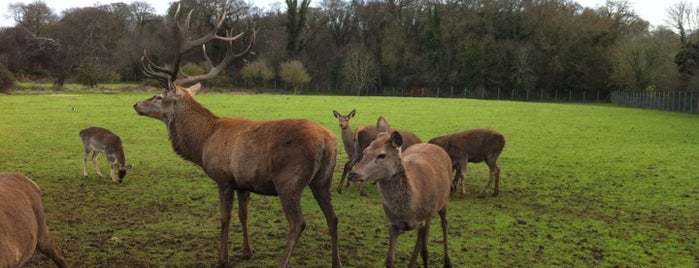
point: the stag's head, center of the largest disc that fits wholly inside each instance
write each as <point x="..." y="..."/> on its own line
<point x="344" y="119"/>
<point x="163" y="105"/>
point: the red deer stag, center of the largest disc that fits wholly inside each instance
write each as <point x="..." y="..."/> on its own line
<point x="414" y="186"/>
<point x="23" y="226"/>
<point x="363" y="136"/>
<point x="475" y="146"/>
<point x="276" y="157"/>
<point x="100" y="140"/>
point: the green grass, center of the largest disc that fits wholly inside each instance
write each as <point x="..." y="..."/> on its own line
<point x="581" y="185"/>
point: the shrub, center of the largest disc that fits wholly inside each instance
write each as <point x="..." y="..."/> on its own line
<point x="295" y="74"/>
<point x="257" y="73"/>
<point x="7" y="79"/>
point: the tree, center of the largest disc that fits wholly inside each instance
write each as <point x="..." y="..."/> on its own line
<point x="296" y="21"/>
<point x="359" y="70"/>
<point x="294" y="74"/>
<point x="35" y="16"/>
<point x="258" y="73"/>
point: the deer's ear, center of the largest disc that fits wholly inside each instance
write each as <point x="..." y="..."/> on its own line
<point x="336" y="114"/>
<point x="193" y="90"/>
<point x="396" y="139"/>
<point x="351" y="114"/>
<point x="382" y="125"/>
<point x="129" y="166"/>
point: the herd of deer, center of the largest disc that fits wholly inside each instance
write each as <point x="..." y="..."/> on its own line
<point x="275" y="157"/>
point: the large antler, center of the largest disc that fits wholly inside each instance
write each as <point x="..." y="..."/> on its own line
<point x="170" y="75"/>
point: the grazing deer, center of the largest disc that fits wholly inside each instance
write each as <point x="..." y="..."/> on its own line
<point x="363" y="136"/>
<point x="23" y="226"/>
<point x="275" y="157"/>
<point x="100" y="140"/>
<point x="414" y="186"/>
<point x="475" y="146"/>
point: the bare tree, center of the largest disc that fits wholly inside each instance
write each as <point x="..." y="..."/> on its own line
<point x="359" y="71"/>
<point x="34" y="16"/>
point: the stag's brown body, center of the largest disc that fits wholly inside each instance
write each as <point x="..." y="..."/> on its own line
<point x="363" y="136"/>
<point x="475" y="146"/>
<point x="414" y="186"/>
<point x="23" y="226"/>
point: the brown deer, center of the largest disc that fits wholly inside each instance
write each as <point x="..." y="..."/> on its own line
<point x="100" y="140"/>
<point x="475" y="146"/>
<point x="23" y="226"/>
<point x="414" y="186"/>
<point x="363" y="136"/>
<point x="275" y="157"/>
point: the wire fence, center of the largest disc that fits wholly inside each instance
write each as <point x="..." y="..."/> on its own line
<point x="680" y="101"/>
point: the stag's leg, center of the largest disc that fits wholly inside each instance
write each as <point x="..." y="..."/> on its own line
<point x="47" y="246"/>
<point x="393" y="233"/>
<point x="291" y="204"/>
<point x="243" y="204"/>
<point x="445" y="229"/>
<point x="321" y="192"/>
<point x="225" y="196"/>
<point x="95" y="154"/>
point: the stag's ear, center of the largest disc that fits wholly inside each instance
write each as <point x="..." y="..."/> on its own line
<point x="396" y="139"/>
<point x="382" y="125"/>
<point x="336" y="114"/>
<point x="351" y="114"/>
<point x="193" y="90"/>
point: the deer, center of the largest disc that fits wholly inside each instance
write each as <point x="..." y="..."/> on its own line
<point x="277" y="157"/>
<point x="363" y="136"/>
<point x="100" y="140"/>
<point x="475" y="146"/>
<point x="414" y="186"/>
<point x="23" y="227"/>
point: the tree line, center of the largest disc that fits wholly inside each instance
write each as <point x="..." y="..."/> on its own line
<point x="370" y="47"/>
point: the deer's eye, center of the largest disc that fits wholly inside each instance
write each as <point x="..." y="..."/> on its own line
<point x="381" y="156"/>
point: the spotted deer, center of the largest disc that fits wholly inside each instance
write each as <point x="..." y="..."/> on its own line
<point x="414" y="186"/>
<point x="23" y="227"/>
<point x="274" y="157"/>
<point x="100" y="140"/>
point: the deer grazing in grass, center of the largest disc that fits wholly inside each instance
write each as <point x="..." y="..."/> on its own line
<point x="475" y="146"/>
<point x="100" y="140"/>
<point x="414" y="185"/>
<point x="275" y="157"/>
<point x="23" y="226"/>
<point x="356" y="141"/>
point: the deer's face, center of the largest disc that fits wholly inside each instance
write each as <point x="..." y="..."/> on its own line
<point x="380" y="160"/>
<point x="121" y="170"/>
<point x="344" y="119"/>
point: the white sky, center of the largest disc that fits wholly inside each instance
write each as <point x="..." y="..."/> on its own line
<point x="654" y="11"/>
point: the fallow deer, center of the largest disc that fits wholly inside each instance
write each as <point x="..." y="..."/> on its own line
<point x="475" y="146"/>
<point x="100" y="140"/>
<point x="275" y="157"/>
<point x="414" y="186"/>
<point x="23" y="226"/>
<point x="363" y="136"/>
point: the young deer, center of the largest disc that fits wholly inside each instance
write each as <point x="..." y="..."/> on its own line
<point x="475" y="146"/>
<point x="275" y="157"/>
<point x="100" y="140"/>
<point x="360" y="139"/>
<point x="23" y="226"/>
<point x="414" y="186"/>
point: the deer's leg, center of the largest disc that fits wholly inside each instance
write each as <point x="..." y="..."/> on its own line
<point x="445" y="230"/>
<point x="393" y="233"/>
<point x="87" y="154"/>
<point x="243" y="204"/>
<point x="95" y="154"/>
<point x="461" y="173"/>
<point x="345" y="170"/>
<point x="421" y="245"/>
<point x="47" y="246"/>
<point x="225" y="196"/>
<point x="291" y="204"/>
<point x="494" y="175"/>
<point x="321" y="192"/>
<point x="113" y="166"/>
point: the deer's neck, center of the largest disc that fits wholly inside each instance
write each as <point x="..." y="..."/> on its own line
<point x="348" y="140"/>
<point x="190" y="126"/>
<point x="120" y="156"/>
<point x="396" y="191"/>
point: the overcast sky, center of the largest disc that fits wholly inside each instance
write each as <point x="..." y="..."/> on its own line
<point x="654" y="11"/>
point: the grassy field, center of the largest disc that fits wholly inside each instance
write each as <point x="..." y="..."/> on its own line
<point x="581" y="185"/>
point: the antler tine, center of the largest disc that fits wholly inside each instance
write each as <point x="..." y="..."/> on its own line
<point x="230" y="57"/>
<point x="151" y="70"/>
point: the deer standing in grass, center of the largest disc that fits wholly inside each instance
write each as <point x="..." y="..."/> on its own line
<point x="100" y="140"/>
<point x="356" y="141"/>
<point x="275" y="157"/>
<point x="23" y="226"/>
<point x="475" y="146"/>
<point x="414" y="186"/>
